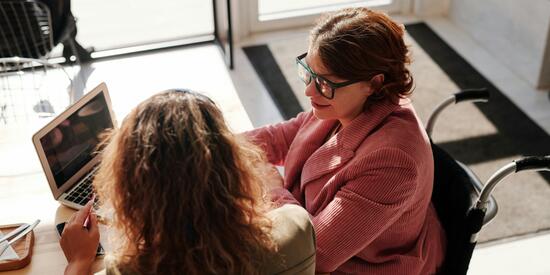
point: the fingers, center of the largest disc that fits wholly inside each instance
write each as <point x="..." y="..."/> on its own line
<point x="71" y="219"/>
<point x="93" y="227"/>
<point x="83" y="213"/>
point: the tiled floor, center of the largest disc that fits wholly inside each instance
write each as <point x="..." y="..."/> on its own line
<point x="535" y="103"/>
<point x="528" y="255"/>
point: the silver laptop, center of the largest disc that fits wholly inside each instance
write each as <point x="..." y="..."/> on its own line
<point x="67" y="146"/>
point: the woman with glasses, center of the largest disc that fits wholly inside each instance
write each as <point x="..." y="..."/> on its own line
<point x="185" y="196"/>
<point x="360" y="161"/>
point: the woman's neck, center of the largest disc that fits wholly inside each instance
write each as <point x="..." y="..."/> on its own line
<point x="345" y="121"/>
<point x="334" y="130"/>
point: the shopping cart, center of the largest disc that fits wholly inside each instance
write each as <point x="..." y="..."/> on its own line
<point x="463" y="203"/>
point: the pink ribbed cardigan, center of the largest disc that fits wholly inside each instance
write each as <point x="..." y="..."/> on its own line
<point x="367" y="189"/>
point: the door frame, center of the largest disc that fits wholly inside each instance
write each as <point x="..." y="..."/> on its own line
<point x="223" y="29"/>
<point x="248" y="20"/>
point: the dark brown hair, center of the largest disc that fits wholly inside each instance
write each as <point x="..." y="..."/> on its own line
<point x="184" y="190"/>
<point x="359" y="43"/>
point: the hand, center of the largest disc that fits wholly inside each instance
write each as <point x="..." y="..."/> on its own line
<point x="80" y="243"/>
<point x="272" y="178"/>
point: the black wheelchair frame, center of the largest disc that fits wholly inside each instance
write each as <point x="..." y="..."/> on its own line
<point x="463" y="203"/>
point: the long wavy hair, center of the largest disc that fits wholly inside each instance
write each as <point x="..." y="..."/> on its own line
<point x="185" y="191"/>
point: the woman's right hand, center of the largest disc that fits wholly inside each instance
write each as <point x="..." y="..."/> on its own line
<point x="80" y="243"/>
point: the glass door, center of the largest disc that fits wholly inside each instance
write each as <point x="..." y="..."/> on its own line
<point x="135" y="25"/>
<point x="278" y="14"/>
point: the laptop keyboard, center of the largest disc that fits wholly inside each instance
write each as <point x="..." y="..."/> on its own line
<point x="84" y="190"/>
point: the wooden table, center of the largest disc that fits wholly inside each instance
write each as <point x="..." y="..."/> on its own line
<point x="26" y="198"/>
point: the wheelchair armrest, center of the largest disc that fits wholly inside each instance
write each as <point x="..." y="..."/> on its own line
<point x="492" y="206"/>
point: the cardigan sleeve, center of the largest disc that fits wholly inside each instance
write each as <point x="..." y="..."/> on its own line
<point x="364" y="207"/>
<point x="275" y="139"/>
<point x="281" y="196"/>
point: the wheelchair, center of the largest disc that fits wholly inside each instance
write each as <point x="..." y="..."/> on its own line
<point x="462" y="202"/>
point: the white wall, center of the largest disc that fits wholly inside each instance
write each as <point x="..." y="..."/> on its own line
<point x="423" y="8"/>
<point x="515" y="31"/>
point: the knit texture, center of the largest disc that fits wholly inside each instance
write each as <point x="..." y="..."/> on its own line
<point x="367" y="189"/>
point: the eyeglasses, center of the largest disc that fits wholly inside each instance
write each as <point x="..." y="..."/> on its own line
<point x="324" y="86"/>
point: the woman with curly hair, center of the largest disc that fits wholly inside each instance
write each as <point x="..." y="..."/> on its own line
<point x="187" y="198"/>
<point x="360" y="161"/>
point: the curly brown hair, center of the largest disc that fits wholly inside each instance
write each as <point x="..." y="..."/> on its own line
<point x="358" y="44"/>
<point x="184" y="190"/>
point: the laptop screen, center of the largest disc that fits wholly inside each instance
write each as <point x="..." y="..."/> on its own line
<point x="71" y="145"/>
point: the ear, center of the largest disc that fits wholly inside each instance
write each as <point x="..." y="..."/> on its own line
<point x="377" y="80"/>
<point x="376" y="83"/>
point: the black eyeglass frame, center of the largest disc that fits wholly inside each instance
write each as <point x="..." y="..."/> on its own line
<point x="313" y="76"/>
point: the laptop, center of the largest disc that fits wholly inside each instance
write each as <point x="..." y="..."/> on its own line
<point x="67" y="146"/>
